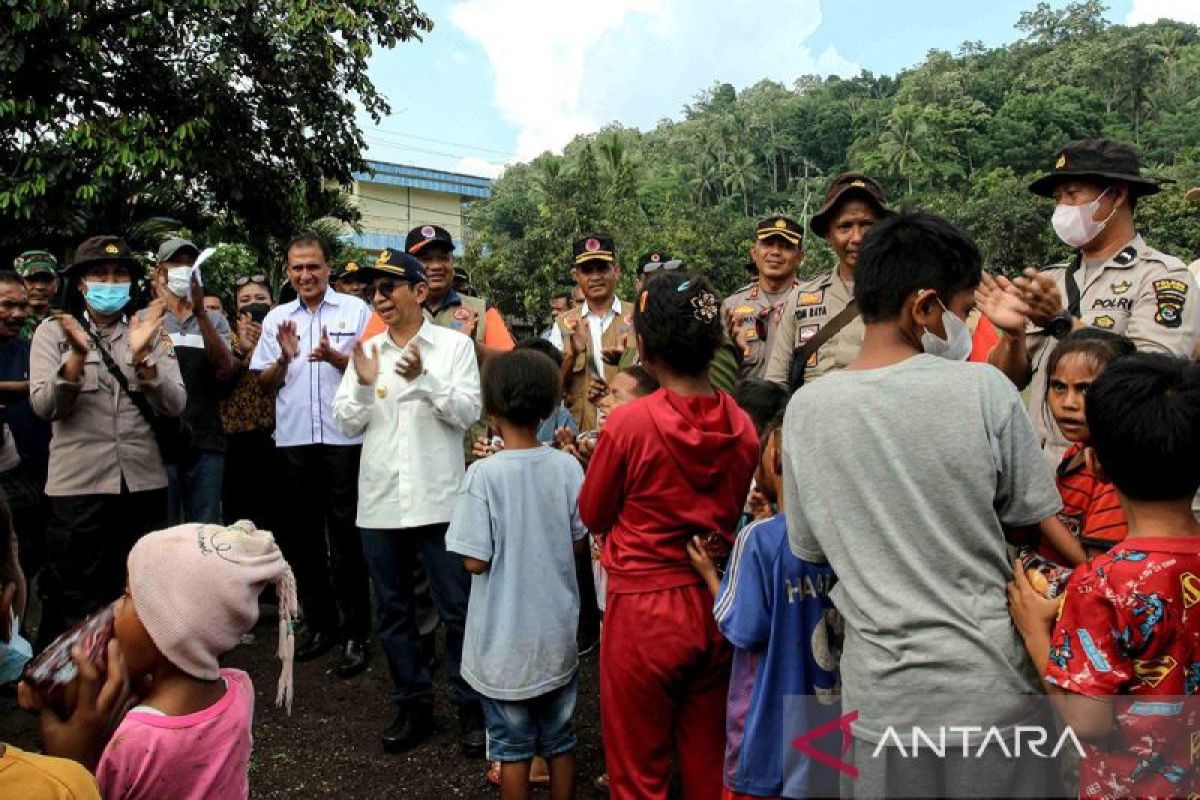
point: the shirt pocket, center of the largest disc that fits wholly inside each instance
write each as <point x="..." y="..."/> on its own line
<point x="90" y="381"/>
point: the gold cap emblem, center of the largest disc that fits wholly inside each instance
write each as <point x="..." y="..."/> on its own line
<point x="859" y="184"/>
<point x="112" y="249"/>
<point x="781" y="224"/>
<point x="384" y="257"/>
<point x="1062" y="162"/>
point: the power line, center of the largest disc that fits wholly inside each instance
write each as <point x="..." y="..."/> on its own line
<point x="404" y="146"/>
<point x="390" y="132"/>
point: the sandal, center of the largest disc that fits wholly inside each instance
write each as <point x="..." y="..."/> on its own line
<point x="536" y="777"/>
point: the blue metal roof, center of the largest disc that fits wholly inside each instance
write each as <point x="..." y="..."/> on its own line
<point x="370" y="240"/>
<point x="435" y="180"/>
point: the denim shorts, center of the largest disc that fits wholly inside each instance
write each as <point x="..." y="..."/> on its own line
<point x="518" y="730"/>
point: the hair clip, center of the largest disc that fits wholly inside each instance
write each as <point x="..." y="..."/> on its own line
<point x="705" y="307"/>
<point x="683" y="287"/>
<point x="642" y="302"/>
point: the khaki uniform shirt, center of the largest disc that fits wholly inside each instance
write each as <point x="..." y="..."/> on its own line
<point x="459" y="312"/>
<point x="1149" y="296"/>
<point x="99" y="436"/>
<point x="618" y="334"/>
<point x="752" y="311"/>
<point x="811" y="306"/>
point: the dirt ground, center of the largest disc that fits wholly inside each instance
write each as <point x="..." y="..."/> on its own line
<point x="329" y="747"/>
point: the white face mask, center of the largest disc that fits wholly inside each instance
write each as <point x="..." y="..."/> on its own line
<point x="957" y="345"/>
<point x="1075" y="224"/>
<point x="179" y="281"/>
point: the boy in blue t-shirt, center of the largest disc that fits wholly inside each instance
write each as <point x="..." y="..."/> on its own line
<point x="774" y="608"/>
<point x="516" y="524"/>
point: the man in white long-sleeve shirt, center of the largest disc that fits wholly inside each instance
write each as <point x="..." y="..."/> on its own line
<point x="412" y="392"/>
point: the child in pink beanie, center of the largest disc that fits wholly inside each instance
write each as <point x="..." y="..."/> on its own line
<point x="193" y="591"/>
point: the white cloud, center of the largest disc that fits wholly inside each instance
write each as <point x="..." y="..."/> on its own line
<point x="471" y="165"/>
<point x="565" y="67"/>
<point x="538" y="55"/>
<point x="1147" y="11"/>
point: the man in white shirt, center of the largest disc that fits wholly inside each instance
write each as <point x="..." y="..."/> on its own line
<point x="412" y="392"/>
<point x="303" y="350"/>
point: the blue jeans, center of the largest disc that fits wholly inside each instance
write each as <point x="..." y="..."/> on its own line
<point x="390" y="553"/>
<point x="518" y="730"/>
<point x="194" y="487"/>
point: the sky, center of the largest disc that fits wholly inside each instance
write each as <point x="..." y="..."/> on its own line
<point x="500" y="81"/>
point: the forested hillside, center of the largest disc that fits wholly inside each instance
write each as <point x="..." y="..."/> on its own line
<point x="961" y="133"/>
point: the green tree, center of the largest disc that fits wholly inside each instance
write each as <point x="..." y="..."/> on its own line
<point x="213" y="111"/>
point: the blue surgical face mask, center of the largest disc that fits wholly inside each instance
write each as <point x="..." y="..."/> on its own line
<point x="107" y="298"/>
<point x="14" y="655"/>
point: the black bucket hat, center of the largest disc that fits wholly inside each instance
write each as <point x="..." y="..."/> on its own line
<point x="100" y="249"/>
<point x="1105" y="159"/>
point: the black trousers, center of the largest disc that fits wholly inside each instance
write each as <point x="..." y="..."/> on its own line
<point x="24" y="488"/>
<point x="253" y="489"/>
<point x="321" y="540"/>
<point x="88" y="540"/>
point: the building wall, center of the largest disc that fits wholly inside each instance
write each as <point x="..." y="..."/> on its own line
<point x="394" y="210"/>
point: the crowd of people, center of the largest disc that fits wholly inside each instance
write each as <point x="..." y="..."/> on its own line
<point x="808" y="503"/>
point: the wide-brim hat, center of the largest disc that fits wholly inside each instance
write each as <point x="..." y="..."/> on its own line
<point x="845" y="187"/>
<point x="100" y="249"/>
<point x="1105" y="160"/>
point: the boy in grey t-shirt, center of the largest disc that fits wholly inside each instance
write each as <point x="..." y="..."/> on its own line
<point x="902" y="472"/>
<point x="516" y="524"/>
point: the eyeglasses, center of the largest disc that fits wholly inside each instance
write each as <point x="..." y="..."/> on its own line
<point x="655" y="266"/>
<point x="593" y="268"/>
<point x="387" y="285"/>
<point x="242" y="281"/>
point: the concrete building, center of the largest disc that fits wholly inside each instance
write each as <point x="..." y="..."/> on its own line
<point x="393" y="198"/>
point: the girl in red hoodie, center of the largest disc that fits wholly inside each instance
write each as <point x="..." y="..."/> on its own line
<point x="669" y="466"/>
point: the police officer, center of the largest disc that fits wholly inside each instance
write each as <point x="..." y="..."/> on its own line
<point x="39" y="270"/>
<point x="853" y="203"/>
<point x="101" y="378"/>
<point x="1115" y="281"/>
<point x="347" y="280"/>
<point x="753" y="312"/>
<point x="596" y="333"/>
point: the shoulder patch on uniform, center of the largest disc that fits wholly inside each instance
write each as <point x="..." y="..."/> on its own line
<point x="1126" y="256"/>
<point x="1106" y="323"/>
<point x="1169" y="294"/>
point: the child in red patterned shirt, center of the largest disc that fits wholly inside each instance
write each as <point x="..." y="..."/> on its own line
<point x="1122" y="660"/>
<point x="1091" y="520"/>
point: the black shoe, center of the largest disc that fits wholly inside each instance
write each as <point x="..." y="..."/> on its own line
<point x="354" y="659"/>
<point x="316" y="645"/>
<point x="471" y="732"/>
<point x="412" y="725"/>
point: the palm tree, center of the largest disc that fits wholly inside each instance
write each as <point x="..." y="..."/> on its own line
<point x="741" y="174"/>
<point x="704" y="178"/>
<point x="903" y="143"/>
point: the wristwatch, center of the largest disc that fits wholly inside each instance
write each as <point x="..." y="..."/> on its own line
<point x="1059" y="325"/>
